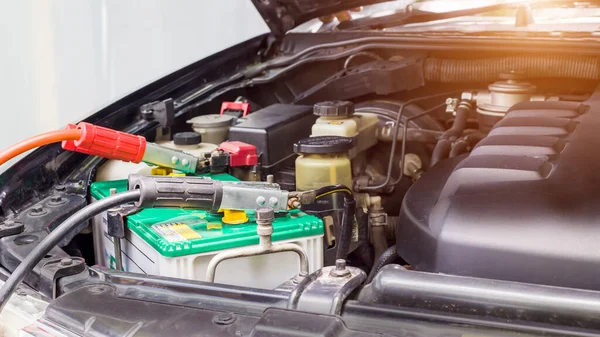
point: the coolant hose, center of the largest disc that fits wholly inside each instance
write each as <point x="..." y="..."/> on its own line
<point x="533" y="66"/>
<point x="459" y="148"/>
<point x="378" y="239"/>
<point x="441" y="151"/>
<point x="387" y="257"/>
<point x="460" y="122"/>
<point x="442" y="148"/>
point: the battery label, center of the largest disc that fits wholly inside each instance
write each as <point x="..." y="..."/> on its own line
<point x="176" y="232"/>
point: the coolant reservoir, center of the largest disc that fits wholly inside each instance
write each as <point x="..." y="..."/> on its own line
<point x="213" y="128"/>
<point x="190" y="142"/>
<point x="323" y="161"/>
<point x="337" y="118"/>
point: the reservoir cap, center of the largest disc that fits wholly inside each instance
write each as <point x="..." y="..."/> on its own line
<point x="211" y="121"/>
<point x="187" y="138"/>
<point x="334" y="109"/>
<point x="324" y="144"/>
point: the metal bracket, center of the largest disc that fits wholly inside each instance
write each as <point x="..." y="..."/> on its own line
<point x="325" y="290"/>
<point x="117" y="219"/>
<point x="115" y="227"/>
<point x="9" y="228"/>
<point x="378" y="218"/>
<point x="162" y="111"/>
<point x="54" y="269"/>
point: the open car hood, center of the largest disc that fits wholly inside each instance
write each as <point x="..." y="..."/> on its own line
<point x="284" y="15"/>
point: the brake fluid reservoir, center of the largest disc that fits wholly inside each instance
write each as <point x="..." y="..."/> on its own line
<point x="337" y="118"/>
<point x="323" y="161"/>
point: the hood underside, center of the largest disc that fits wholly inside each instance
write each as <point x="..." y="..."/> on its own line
<point x="283" y="15"/>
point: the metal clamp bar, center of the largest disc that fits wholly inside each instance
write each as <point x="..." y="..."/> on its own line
<point x="264" y="228"/>
<point x="162" y="156"/>
<point x="255" y="251"/>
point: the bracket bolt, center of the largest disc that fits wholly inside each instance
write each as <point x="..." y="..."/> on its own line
<point x="11" y="223"/>
<point x="66" y="262"/>
<point x="56" y="200"/>
<point x="340" y="269"/>
<point x="37" y="210"/>
<point x="224" y="318"/>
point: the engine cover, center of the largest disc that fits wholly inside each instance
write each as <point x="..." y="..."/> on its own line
<point x="523" y="206"/>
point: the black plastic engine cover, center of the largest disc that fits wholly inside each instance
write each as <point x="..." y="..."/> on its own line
<point x="523" y="206"/>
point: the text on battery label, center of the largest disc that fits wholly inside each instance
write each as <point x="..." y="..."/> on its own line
<point x="176" y="232"/>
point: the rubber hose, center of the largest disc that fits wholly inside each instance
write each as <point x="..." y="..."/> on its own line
<point x="460" y="122"/>
<point x="345" y="239"/>
<point x="364" y="251"/>
<point x="474" y="138"/>
<point x="412" y="135"/>
<point x="441" y="151"/>
<point x="459" y="148"/>
<point x="388" y="256"/>
<point x="533" y="66"/>
<point x="379" y="240"/>
<point x="443" y="146"/>
<point x="390" y="229"/>
<point x="46" y="244"/>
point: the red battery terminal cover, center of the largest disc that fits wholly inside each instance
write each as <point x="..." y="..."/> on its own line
<point x="106" y="143"/>
<point x="240" y="154"/>
<point x="237" y="106"/>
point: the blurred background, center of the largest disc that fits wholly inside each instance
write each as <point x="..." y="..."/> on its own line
<point x="62" y="60"/>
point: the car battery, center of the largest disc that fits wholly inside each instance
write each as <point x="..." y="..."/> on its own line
<point x="181" y="242"/>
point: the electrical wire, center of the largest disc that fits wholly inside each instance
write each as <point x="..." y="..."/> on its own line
<point x="45" y="245"/>
<point x="345" y="237"/>
<point x="337" y="188"/>
<point x="332" y="192"/>
<point x="37" y="141"/>
<point x="405" y="130"/>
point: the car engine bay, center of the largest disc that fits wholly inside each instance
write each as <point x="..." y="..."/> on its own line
<point x="331" y="179"/>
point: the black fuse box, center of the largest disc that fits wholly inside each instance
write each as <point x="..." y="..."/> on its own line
<point x="274" y="130"/>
